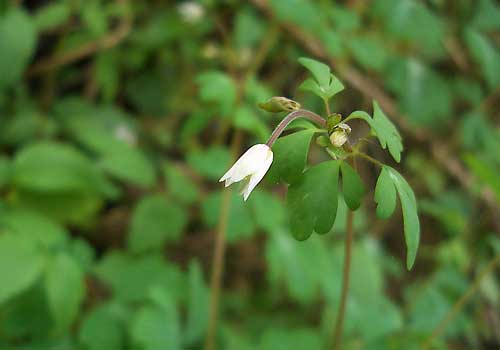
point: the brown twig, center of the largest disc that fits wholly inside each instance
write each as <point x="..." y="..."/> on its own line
<point x="219" y="254"/>
<point x="106" y="42"/>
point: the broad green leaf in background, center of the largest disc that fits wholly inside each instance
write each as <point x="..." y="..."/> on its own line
<point x="197" y="305"/>
<point x="305" y="14"/>
<point x="156" y="326"/>
<point x="65" y="291"/>
<point x="21" y="263"/>
<point x="290" y="156"/>
<point x="102" y="329"/>
<point x="289" y="262"/>
<point x="52" y="15"/>
<point x="268" y="211"/>
<point x="412" y="22"/>
<point x="324" y="84"/>
<point x="245" y="118"/>
<point x="179" y="185"/>
<point x="485" y="55"/>
<point x="155" y="220"/>
<point x="18" y="43"/>
<point x="312" y="202"/>
<point x="485" y="171"/>
<point x="110" y="136"/>
<point x="26" y="315"/>
<point x="385" y="195"/>
<point x="424" y="94"/>
<point x="131" y="278"/>
<point x="285" y="339"/>
<point x="218" y="87"/>
<point x="486" y="15"/>
<point x="34" y="227"/>
<point x="369" y="51"/>
<point x="212" y="162"/>
<point x="352" y="186"/>
<point x="56" y="167"/>
<point x="241" y="224"/>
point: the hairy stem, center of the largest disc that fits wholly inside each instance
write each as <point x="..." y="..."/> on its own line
<point x="219" y="254"/>
<point x="300" y="113"/>
<point x="339" y="324"/>
<point x="461" y="302"/>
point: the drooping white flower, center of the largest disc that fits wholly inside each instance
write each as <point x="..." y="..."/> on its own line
<point x="249" y="168"/>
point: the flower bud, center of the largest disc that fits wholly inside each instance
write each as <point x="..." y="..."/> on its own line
<point x="339" y="134"/>
<point x="279" y="104"/>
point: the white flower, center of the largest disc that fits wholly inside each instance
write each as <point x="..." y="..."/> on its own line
<point x="191" y="11"/>
<point x="250" y="167"/>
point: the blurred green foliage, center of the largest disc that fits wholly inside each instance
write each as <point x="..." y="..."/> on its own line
<point x="115" y="124"/>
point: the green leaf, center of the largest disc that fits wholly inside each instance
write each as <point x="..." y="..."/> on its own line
<point x="56" y="167"/>
<point x="157" y="326"/>
<point x="320" y="71"/>
<point x="289" y="264"/>
<point x="290" y="156"/>
<point x="179" y="185"/>
<point x="21" y="263"/>
<point x="155" y="221"/>
<point x="52" y="15"/>
<point x="312" y="202"/>
<point x="197" y="305"/>
<point x="352" y="186"/>
<point x="241" y="224"/>
<point x="485" y="55"/>
<point x="385" y="195"/>
<point x="423" y="92"/>
<point x="17" y="45"/>
<point x="5" y="171"/>
<point x="35" y="227"/>
<point x="212" y="162"/>
<point x="219" y="88"/>
<point x="268" y="210"/>
<point x="325" y="84"/>
<point x="102" y="329"/>
<point x="131" y="278"/>
<point x="65" y="290"/>
<point x="487" y="15"/>
<point x="383" y="128"/>
<point x="410" y="215"/>
<point x="284" y="339"/>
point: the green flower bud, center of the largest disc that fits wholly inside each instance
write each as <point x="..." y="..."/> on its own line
<point x="279" y="104"/>
<point x="332" y="121"/>
<point x="340" y="134"/>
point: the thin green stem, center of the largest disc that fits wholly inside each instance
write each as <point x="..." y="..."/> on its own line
<point x="327" y="107"/>
<point x="367" y="157"/>
<point x="339" y="324"/>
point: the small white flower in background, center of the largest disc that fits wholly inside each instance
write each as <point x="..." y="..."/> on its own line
<point x="191" y="11"/>
<point x="124" y="133"/>
<point x="249" y="168"/>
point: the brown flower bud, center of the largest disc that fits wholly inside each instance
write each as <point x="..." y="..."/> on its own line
<point x="279" y="104"/>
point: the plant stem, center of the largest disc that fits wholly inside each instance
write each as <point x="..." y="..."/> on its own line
<point x="219" y="254"/>
<point x="327" y="107"/>
<point x="300" y="113"/>
<point x="367" y="157"/>
<point x="461" y="302"/>
<point x="339" y="324"/>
